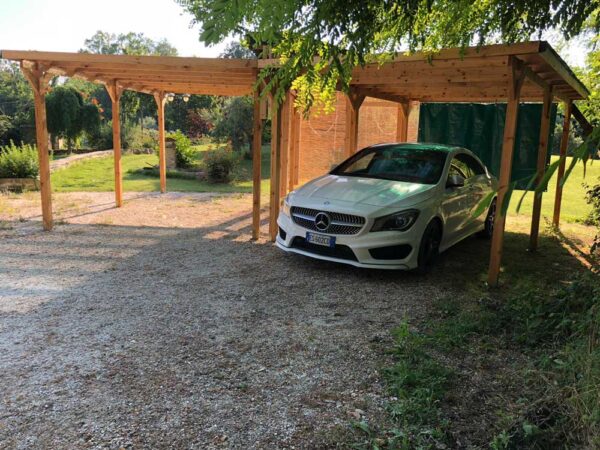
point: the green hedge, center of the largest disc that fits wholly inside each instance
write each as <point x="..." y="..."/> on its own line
<point x="18" y="161"/>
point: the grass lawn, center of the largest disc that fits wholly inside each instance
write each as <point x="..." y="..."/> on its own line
<point x="573" y="207"/>
<point x="97" y="175"/>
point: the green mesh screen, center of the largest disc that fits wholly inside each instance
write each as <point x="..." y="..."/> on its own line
<point x="479" y="128"/>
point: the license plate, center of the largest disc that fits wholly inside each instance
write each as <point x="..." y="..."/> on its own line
<point x="320" y="239"/>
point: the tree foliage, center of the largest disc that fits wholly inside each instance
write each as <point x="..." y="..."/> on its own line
<point x="69" y="114"/>
<point x="233" y="121"/>
<point x="346" y="33"/>
<point x="127" y="44"/>
<point x="16" y="103"/>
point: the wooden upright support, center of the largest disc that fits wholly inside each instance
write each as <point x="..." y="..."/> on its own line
<point x="162" y="157"/>
<point x="516" y="75"/>
<point x="564" y="143"/>
<point x="114" y="92"/>
<point x="287" y="111"/>
<point x="353" y="102"/>
<point x="275" y="197"/>
<point x="295" y="150"/>
<point x="256" y="164"/>
<point x="402" y="121"/>
<point x="541" y="167"/>
<point x="39" y="79"/>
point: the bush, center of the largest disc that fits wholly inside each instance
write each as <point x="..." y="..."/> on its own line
<point x="18" y="161"/>
<point x="184" y="152"/>
<point x="133" y="138"/>
<point x="219" y="165"/>
<point x="592" y="197"/>
<point x="101" y="137"/>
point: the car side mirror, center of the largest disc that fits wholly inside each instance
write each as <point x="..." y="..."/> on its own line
<point x="455" y="181"/>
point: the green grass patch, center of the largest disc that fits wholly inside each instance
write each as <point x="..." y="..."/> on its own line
<point x="573" y="207"/>
<point x="97" y="175"/>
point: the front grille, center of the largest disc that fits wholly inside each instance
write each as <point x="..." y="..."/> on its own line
<point x="339" y="251"/>
<point x="340" y="223"/>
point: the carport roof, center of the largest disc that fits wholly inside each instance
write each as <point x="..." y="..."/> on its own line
<point x="149" y="74"/>
<point x="473" y="74"/>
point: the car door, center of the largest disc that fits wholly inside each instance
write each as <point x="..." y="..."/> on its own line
<point x="454" y="203"/>
<point x="478" y="186"/>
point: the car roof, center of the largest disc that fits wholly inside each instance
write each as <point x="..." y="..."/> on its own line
<point x="420" y="146"/>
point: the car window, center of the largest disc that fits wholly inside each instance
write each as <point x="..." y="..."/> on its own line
<point x="472" y="166"/>
<point x="398" y="163"/>
<point x="455" y="169"/>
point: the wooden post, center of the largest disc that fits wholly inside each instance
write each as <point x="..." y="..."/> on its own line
<point x="114" y="92"/>
<point x="287" y="120"/>
<point x="402" y="121"/>
<point x="162" y="158"/>
<point x="516" y="76"/>
<point x="564" y="143"/>
<point x="353" y="103"/>
<point x="256" y="164"/>
<point x="38" y="80"/>
<point x="541" y="166"/>
<point x="295" y="150"/>
<point x="275" y="197"/>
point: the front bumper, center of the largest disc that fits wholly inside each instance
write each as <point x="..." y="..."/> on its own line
<point x="355" y="250"/>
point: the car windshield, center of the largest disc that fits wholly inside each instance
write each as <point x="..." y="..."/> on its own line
<point x="415" y="165"/>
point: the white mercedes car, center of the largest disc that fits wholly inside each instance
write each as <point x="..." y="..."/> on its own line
<point x="390" y="206"/>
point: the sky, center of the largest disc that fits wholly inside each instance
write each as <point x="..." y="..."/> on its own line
<point x="63" y="25"/>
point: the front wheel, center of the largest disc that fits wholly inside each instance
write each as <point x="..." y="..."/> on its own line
<point x="488" y="229"/>
<point x="429" y="249"/>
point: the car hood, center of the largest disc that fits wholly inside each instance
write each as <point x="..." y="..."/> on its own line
<point x="366" y="191"/>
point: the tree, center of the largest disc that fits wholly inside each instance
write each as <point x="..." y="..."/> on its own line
<point x="235" y="49"/>
<point x="127" y="44"/>
<point x="16" y="104"/>
<point x="197" y="124"/>
<point x="69" y="115"/>
<point x="234" y="121"/>
<point x="347" y="33"/>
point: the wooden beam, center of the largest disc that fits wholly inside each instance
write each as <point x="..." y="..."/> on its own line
<point x="160" y="99"/>
<point x="564" y="143"/>
<point x="256" y="164"/>
<point x="83" y="58"/>
<point x="516" y="77"/>
<point x="402" y="121"/>
<point x="353" y="102"/>
<point x="580" y="118"/>
<point x="275" y="197"/>
<point x="287" y="113"/>
<point x="541" y="167"/>
<point x="39" y="84"/>
<point x="295" y="158"/>
<point x="114" y="92"/>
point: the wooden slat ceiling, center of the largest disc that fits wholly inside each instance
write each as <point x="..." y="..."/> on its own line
<point x="475" y="75"/>
<point x="452" y="75"/>
<point x="211" y="76"/>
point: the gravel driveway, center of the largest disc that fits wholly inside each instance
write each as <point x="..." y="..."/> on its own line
<point x="117" y="334"/>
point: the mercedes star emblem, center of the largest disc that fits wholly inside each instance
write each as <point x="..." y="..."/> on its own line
<point x="322" y="221"/>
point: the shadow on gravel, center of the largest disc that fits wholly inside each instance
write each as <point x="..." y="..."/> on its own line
<point x="116" y="336"/>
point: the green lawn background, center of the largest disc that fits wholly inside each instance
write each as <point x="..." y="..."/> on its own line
<point x="97" y="175"/>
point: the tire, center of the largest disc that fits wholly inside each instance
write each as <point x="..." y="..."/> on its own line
<point x="488" y="229"/>
<point x="429" y="249"/>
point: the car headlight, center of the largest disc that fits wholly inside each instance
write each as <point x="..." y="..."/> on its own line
<point x="285" y="209"/>
<point x="401" y="221"/>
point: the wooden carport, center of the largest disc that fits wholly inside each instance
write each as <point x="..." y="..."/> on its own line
<point x="530" y="72"/>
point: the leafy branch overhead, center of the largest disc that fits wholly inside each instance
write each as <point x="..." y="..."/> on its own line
<point x="346" y="33"/>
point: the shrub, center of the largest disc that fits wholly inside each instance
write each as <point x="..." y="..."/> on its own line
<point x="593" y="198"/>
<point x="134" y="138"/>
<point x="219" y="165"/>
<point x="101" y="138"/>
<point x="18" y="161"/>
<point x="184" y="152"/>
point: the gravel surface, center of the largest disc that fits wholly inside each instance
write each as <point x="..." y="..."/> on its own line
<point x="162" y="325"/>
